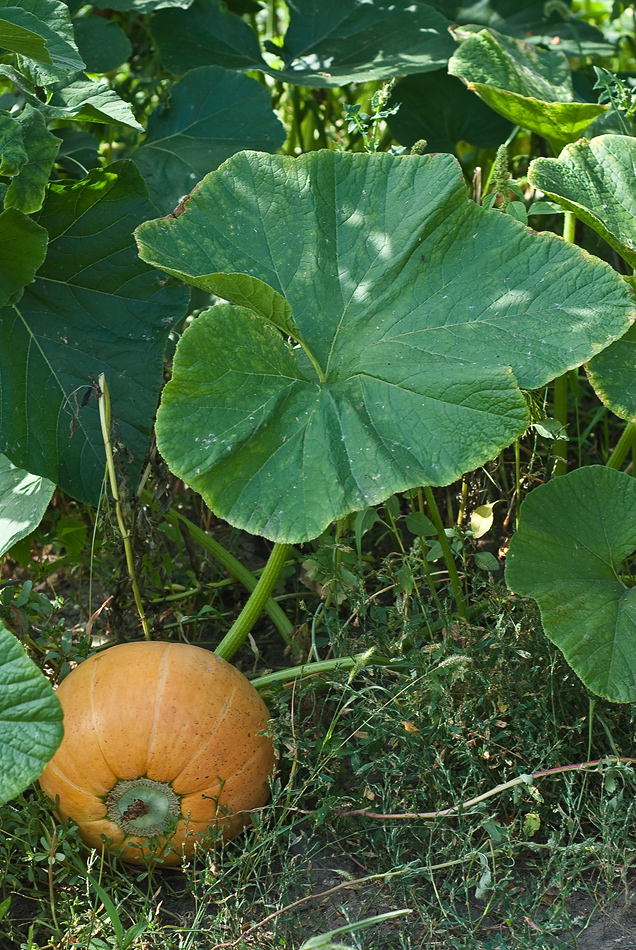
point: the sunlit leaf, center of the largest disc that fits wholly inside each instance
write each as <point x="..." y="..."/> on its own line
<point x="23" y="500"/>
<point x="418" y="314"/>
<point x="531" y="87"/>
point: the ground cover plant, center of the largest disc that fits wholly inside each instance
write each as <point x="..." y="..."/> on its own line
<point x="317" y="352"/>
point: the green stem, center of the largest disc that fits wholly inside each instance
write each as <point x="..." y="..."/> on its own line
<point x="241" y="573"/>
<point x="314" y="361"/>
<point x="325" y="666"/>
<point x="517" y="482"/>
<point x="104" y="418"/>
<point x="252" y="610"/>
<point x="561" y="385"/>
<point x="425" y="565"/>
<point x="446" y="550"/>
<point x="624" y="444"/>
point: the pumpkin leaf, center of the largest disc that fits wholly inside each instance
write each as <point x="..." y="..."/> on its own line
<point x="21" y="32"/>
<point x="612" y="375"/>
<point x="94" y="307"/>
<point x="23" y="500"/>
<point x="531" y="87"/>
<point x="211" y="114"/>
<point x="30" y="718"/>
<point x="572" y="552"/>
<point x="87" y="100"/>
<point x="333" y="42"/>
<point x="417" y="313"/>
<point x="595" y="180"/>
<point x="147" y="6"/>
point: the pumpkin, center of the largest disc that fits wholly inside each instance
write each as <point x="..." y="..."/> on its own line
<point x="162" y="742"/>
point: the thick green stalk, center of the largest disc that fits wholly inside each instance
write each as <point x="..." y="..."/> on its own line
<point x="446" y="550"/>
<point x="241" y="573"/>
<point x="624" y="444"/>
<point x="252" y="610"/>
<point x="562" y="384"/>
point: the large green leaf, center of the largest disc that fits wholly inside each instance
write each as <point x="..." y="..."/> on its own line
<point x="529" y="86"/>
<point x="102" y="43"/>
<point x="211" y="114"/>
<point x="596" y="179"/>
<point x="409" y="305"/>
<point x="23" y="500"/>
<point x="328" y="42"/>
<point x="22" y="250"/>
<point x="30" y="719"/>
<point x="574" y="535"/>
<point x="332" y="42"/>
<point x="50" y="19"/>
<point x="206" y="34"/>
<point x="26" y="191"/>
<point x="457" y="116"/>
<point x="94" y="307"/>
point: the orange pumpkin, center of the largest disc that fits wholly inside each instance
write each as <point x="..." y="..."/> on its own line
<point x="162" y="741"/>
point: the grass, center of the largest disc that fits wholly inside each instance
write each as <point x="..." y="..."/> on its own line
<point x="477" y="701"/>
<point x="474" y="706"/>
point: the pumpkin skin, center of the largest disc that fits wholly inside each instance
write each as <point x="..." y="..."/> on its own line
<point x="165" y="713"/>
